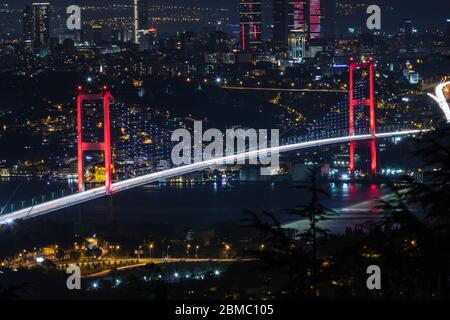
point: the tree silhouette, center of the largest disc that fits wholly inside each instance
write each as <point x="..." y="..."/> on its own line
<point x="297" y="256"/>
<point x="316" y="212"/>
<point x="12" y="293"/>
<point x="419" y="215"/>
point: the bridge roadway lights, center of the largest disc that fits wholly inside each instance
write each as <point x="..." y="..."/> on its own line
<point x="105" y="146"/>
<point x="78" y="198"/>
<point x="370" y="65"/>
<point x="441" y="99"/>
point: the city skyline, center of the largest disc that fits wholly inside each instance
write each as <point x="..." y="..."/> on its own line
<point x="248" y="151"/>
<point x="422" y="15"/>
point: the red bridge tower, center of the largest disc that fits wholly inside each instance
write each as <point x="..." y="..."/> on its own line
<point x="105" y="146"/>
<point x="370" y="102"/>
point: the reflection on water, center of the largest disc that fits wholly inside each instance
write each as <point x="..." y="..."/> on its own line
<point x="192" y="206"/>
<point x="357" y="206"/>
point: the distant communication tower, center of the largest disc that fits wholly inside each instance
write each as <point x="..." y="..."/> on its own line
<point x="105" y="146"/>
<point x="370" y="102"/>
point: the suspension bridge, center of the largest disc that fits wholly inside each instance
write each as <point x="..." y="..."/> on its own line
<point x="83" y="196"/>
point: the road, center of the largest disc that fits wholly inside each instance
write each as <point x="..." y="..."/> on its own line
<point x="143" y="262"/>
<point x="284" y="89"/>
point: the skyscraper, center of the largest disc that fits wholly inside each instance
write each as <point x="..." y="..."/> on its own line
<point x="290" y="17"/>
<point x="298" y="16"/>
<point x="291" y="26"/>
<point x="315" y="27"/>
<point x="251" y="26"/>
<point x="280" y="25"/>
<point x="298" y="29"/>
<point x="28" y="27"/>
<point x="36" y="25"/>
<point x="314" y="17"/>
<point x="140" y="16"/>
<point x="322" y="19"/>
<point x="328" y="12"/>
<point x="448" y="28"/>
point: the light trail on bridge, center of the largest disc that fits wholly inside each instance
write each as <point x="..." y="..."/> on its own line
<point x="117" y="187"/>
<point x="442" y="100"/>
<point x="285" y="89"/>
<point x="145" y="262"/>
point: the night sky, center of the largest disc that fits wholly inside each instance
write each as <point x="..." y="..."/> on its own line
<point x="430" y="13"/>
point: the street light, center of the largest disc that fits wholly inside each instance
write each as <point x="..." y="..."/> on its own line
<point x="139" y="250"/>
<point x="150" y="247"/>
<point x="187" y="250"/>
<point x="227" y="249"/>
<point x="196" y="251"/>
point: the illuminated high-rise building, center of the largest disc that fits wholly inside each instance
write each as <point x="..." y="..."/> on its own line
<point x="290" y="21"/>
<point x="298" y="29"/>
<point x="298" y="16"/>
<point x="297" y="45"/>
<point x="315" y="20"/>
<point x="28" y="27"/>
<point x="314" y="17"/>
<point x="36" y="25"/>
<point x="319" y="16"/>
<point x="251" y="26"/>
<point x="140" y="16"/>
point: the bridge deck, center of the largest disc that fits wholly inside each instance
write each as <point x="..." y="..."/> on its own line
<point x="89" y="195"/>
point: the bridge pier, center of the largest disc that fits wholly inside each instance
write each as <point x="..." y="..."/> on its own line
<point x="110" y="210"/>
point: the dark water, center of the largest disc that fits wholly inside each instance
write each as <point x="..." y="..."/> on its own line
<point x="197" y="206"/>
<point x="18" y="191"/>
